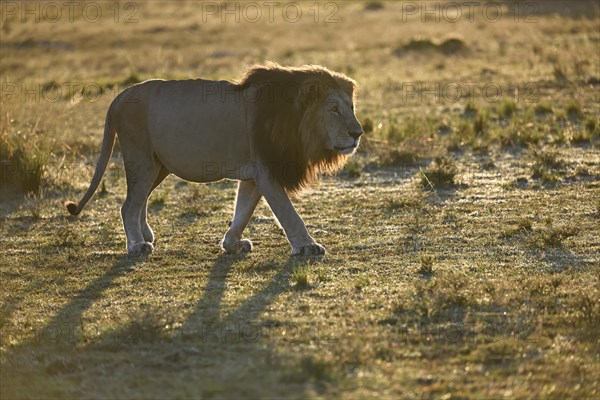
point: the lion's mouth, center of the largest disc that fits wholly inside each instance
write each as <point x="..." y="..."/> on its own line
<point x="347" y="149"/>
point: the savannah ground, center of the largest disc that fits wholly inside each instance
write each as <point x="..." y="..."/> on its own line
<point x="463" y="239"/>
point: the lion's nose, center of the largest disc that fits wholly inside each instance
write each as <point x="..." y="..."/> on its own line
<point x="355" y="134"/>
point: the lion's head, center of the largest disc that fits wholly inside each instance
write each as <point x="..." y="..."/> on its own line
<point x="303" y="121"/>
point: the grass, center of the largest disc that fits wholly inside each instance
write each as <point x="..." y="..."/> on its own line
<point x="551" y="236"/>
<point x="300" y="277"/>
<point x="440" y="174"/>
<point x="159" y="198"/>
<point x="507" y="109"/>
<point x="368" y="125"/>
<point x="354" y="167"/>
<point x="24" y="156"/>
<point x="426" y="267"/>
<point x="542" y="109"/>
<point x="484" y="287"/>
<point x="547" y="167"/>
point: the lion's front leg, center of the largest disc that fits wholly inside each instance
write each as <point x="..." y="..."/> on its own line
<point x="295" y="229"/>
<point x="247" y="198"/>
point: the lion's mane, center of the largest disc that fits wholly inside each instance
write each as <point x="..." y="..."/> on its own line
<point x="286" y="132"/>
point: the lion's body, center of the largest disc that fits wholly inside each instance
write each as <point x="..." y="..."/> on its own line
<point x="205" y="138"/>
<point x="205" y="131"/>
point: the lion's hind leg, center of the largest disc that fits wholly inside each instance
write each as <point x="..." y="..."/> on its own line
<point x="140" y="179"/>
<point x="247" y="198"/>
<point x="147" y="232"/>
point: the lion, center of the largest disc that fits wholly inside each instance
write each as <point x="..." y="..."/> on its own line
<point x="275" y="131"/>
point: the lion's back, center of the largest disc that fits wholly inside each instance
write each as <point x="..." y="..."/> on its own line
<point x="187" y="124"/>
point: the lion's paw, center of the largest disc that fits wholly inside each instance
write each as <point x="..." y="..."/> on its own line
<point x="241" y="247"/>
<point x="314" y="249"/>
<point x="147" y="234"/>
<point x="140" y="249"/>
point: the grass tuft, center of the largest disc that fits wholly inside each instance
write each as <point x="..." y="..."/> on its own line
<point x="300" y="277"/>
<point x="426" y="266"/>
<point x="507" y="109"/>
<point x="573" y="110"/>
<point x="374" y="5"/>
<point x="368" y="125"/>
<point x="158" y="199"/>
<point x="542" y="109"/>
<point x="354" y="167"/>
<point x="547" y="167"/>
<point x="552" y="236"/>
<point x="24" y="157"/>
<point x="361" y="283"/>
<point x="440" y="174"/>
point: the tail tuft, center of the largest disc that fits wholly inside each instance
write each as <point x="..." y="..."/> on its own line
<point x="72" y="208"/>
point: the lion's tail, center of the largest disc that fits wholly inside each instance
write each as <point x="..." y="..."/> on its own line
<point x="108" y="143"/>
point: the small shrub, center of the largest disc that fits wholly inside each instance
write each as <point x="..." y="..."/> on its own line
<point x="453" y="46"/>
<point x="66" y="236"/>
<point x="321" y="275"/>
<point x="159" y="199"/>
<point x="470" y="110"/>
<point x="374" y="6"/>
<point x="361" y="283"/>
<point x="560" y="73"/>
<point x="580" y="136"/>
<point x="551" y="236"/>
<point x="589" y="307"/>
<point x="312" y="368"/>
<point x="397" y="158"/>
<point x="547" y="167"/>
<point x="507" y="109"/>
<point x="437" y="298"/>
<point x="591" y="125"/>
<point x="426" y="265"/>
<point x="481" y="122"/>
<point x="300" y="278"/>
<point x="411" y="202"/>
<point x="523" y="226"/>
<point x="394" y="134"/>
<point x="573" y="110"/>
<point x="24" y="157"/>
<point x="440" y="174"/>
<point x="542" y="109"/>
<point x="33" y="203"/>
<point x="462" y="136"/>
<point x="132" y="79"/>
<point x="522" y="135"/>
<point x="368" y="125"/>
<point x="354" y="168"/>
<point x="417" y="44"/>
<point x="549" y="159"/>
<point x="448" y="46"/>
